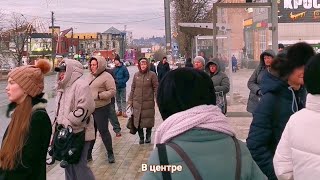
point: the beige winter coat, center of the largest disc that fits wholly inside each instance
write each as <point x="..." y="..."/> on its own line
<point x="143" y="91"/>
<point x="102" y="86"/>
<point x="74" y="102"/>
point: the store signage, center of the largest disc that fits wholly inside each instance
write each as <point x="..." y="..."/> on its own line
<point x="299" y="11"/>
<point x="248" y="22"/>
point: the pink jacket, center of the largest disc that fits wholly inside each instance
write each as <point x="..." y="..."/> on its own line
<point x="74" y="101"/>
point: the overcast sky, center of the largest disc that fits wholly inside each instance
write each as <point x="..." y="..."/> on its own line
<point x="106" y="13"/>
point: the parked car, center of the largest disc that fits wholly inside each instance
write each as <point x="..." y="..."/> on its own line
<point x="85" y="65"/>
<point x="110" y="65"/>
<point x="5" y="67"/>
<point x="127" y="63"/>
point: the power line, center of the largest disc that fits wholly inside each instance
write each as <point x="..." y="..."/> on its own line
<point x="128" y="22"/>
<point x="81" y="22"/>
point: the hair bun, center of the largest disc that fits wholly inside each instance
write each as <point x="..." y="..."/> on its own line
<point x="44" y="65"/>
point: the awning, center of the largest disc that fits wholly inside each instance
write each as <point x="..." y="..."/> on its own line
<point x="289" y="42"/>
<point x="194" y="29"/>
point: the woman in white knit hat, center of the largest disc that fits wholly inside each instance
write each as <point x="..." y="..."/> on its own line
<point x="199" y="63"/>
<point x="26" y="140"/>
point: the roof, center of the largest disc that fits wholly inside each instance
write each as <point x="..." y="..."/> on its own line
<point x="112" y="30"/>
<point x="203" y="29"/>
<point x="41" y="35"/>
<point x="195" y="29"/>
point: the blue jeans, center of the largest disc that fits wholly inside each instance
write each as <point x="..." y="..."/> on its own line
<point x="121" y="99"/>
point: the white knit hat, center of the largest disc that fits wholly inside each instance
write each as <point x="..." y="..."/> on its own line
<point x="201" y="59"/>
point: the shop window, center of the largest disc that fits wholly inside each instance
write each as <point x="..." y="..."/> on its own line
<point x="262" y="40"/>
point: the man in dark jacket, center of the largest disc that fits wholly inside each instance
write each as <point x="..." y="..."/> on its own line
<point x="153" y="67"/>
<point x="189" y="63"/>
<point x="220" y="81"/>
<point x="121" y="74"/>
<point x="234" y="64"/>
<point x="163" y="68"/>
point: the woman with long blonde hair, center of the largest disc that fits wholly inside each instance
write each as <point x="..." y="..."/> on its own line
<point x="26" y="139"/>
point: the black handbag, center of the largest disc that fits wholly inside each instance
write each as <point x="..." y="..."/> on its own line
<point x="67" y="146"/>
<point x="130" y="125"/>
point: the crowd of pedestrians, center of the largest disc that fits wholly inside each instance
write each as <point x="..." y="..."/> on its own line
<point x="195" y="132"/>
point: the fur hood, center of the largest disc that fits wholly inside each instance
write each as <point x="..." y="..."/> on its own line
<point x="38" y="102"/>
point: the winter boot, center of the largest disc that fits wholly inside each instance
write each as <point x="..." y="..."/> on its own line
<point x="111" y="156"/>
<point x="141" y="136"/>
<point x="148" y="135"/>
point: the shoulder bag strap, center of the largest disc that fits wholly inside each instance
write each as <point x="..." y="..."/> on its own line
<point x="186" y="159"/>
<point x="238" y="158"/>
<point x="96" y="78"/>
<point x="163" y="158"/>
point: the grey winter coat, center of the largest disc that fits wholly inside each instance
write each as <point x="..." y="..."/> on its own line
<point x="255" y="80"/>
<point x="220" y="81"/>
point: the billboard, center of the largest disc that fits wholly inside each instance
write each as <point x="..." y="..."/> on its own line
<point x="299" y="11"/>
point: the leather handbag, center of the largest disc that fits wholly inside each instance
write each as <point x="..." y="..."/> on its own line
<point x="130" y="125"/>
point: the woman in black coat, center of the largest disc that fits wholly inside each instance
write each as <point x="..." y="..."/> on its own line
<point x="283" y="95"/>
<point x="26" y="140"/>
<point x="189" y="63"/>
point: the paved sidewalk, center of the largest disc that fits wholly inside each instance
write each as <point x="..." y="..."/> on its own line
<point x="130" y="155"/>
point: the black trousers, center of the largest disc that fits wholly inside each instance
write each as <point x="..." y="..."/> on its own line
<point x="141" y="133"/>
<point x="101" y="122"/>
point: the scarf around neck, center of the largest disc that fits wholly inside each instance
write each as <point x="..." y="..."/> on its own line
<point x="203" y="116"/>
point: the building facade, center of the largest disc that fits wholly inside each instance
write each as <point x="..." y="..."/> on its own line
<point x="297" y="21"/>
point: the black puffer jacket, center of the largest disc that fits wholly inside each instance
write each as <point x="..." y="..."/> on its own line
<point x="278" y="103"/>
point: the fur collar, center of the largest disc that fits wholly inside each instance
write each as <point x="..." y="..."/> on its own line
<point x="38" y="102"/>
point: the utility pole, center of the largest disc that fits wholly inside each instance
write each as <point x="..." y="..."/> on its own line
<point x="52" y="39"/>
<point x="167" y="26"/>
<point x="274" y="21"/>
<point x="214" y="32"/>
<point x="72" y="43"/>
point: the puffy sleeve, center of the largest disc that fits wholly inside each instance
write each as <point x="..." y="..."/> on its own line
<point x="282" y="159"/>
<point x="260" y="135"/>
<point x="252" y="82"/>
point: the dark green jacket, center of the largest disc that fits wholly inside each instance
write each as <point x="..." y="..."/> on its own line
<point x="212" y="153"/>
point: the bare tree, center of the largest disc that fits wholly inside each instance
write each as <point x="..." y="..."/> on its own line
<point x="15" y="37"/>
<point x="159" y="54"/>
<point x="3" y="54"/>
<point x="190" y="11"/>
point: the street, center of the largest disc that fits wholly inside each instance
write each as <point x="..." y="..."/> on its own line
<point x="128" y="153"/>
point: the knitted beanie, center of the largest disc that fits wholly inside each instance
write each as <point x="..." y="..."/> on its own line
<point x="30" y="78"/>
<point x="201" y="59"/>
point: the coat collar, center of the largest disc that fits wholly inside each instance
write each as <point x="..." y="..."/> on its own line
<point x="313" y="102"/>
<point x="38" y="102"/>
